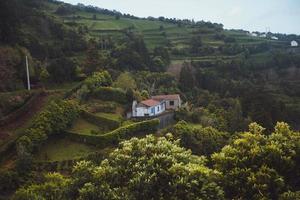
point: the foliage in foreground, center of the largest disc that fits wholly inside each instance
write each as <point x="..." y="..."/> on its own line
<point x="201" y="140"/>
<point x="148" y="168"/>
<point x="260" y="166"/>
<point x="254" y="165"/>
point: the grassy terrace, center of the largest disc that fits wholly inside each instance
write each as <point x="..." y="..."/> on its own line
<point x="84" y="127"/>
<point x="111" y="116"/>
<point x="58" y="149"/>
<point x="156" y="33"/>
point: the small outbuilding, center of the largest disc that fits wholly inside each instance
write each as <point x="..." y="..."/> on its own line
<point x="173" y="101"/>
<point x="294" y="43"/>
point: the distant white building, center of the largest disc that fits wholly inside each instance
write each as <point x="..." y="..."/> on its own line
<point x="274" y="38"/>
<point x="254" y="34"/>
<point x="263" y="35"/>
<point x="294" y="43"/>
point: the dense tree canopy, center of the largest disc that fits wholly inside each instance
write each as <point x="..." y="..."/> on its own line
<point x="259" y="166"/>
<point x="201" y="140"/>
<point x="148" y="168"/>
<point x="125" y="81"/>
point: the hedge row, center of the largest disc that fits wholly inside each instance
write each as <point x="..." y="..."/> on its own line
<point x="113" y="137"/>
<point x="110" y="94"/>
<point x="57" y="116"/>
<point x="70" y="92"/>
<point x="109" y="124"/>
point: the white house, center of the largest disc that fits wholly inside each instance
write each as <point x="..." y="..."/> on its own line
<point x="156" y="105"/>
<point x="147" y="108"/>
<point x="274" y="38"/>
<point x="294" y="43"/>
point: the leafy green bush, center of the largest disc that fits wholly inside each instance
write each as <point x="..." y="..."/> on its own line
<point x="8" y="180"/>
<point x="98" y="79"/>
<point x="201" y="140"/>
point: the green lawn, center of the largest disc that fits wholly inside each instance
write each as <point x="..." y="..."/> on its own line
<point x="111" y="116"/>
<point x="57" y="149"/>
<point x="195" y="125"/>
<point x="83" y="127"/>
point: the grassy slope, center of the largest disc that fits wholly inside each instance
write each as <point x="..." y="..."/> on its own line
<point x="84" y="127"/>
<point x="58" y="149"/>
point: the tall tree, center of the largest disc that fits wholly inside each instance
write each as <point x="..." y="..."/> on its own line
<point x="10" y="21"/>
<point x="186" y="79"/>
<point x="94" y="60"/>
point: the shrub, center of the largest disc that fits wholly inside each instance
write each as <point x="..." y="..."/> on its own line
<point x="9" y="180"/>
<point x="98" y="79"/>
<point x="201" y="140"/>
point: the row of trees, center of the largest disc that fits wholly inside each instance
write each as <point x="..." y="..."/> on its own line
<point x="252" y="166"/>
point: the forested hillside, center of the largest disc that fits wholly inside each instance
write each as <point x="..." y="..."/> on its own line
<point x="88" y="64"/>
<point x="65" y="43"/>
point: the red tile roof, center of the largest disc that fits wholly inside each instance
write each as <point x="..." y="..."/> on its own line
<point x="166" y="97"/>
<point x="150" y="102"/>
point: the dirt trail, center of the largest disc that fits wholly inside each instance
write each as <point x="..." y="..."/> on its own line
<point x="7" y="130"/>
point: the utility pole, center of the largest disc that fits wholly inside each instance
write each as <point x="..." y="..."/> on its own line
<point x="27" y="71"/>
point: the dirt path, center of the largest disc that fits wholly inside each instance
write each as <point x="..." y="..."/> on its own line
<point x="8" y="130"/>
<point x="175" y="69"/>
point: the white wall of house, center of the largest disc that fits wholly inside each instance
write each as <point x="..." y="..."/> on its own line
<point x="150" y="111"/>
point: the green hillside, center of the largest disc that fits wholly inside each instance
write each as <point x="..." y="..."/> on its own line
<point x="67" y="43"/>
<point x="87" y="65"/>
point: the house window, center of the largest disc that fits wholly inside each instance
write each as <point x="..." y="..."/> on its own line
<point x="171" y="103"/>
<point x="152" y="110"/>
<point x="158" y="109"/>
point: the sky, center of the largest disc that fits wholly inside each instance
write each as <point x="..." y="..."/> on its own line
<point x="278" y="16"/>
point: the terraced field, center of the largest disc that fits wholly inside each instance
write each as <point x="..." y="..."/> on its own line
<point x="58" y="149"/>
